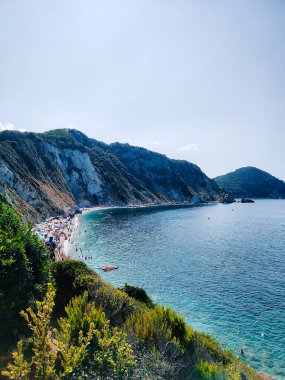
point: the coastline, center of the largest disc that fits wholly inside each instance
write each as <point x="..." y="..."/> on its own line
<point x="66" y="248"/>
<point x="73" y="224"/>
<point x="61" y="230"/>
<point x="147" y="205"/>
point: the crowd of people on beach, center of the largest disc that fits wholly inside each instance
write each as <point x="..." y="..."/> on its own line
<point x="55" y="231"/>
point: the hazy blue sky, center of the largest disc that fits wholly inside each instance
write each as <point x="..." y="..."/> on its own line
<point x="197" y="80"/>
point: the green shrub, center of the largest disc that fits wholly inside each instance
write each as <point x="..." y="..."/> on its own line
<point x="214" y="349"/>
<point x="139" y="294"/>
<point x="83" y="345"/>
<point x="113" y="358"/>
<point x="158" y="327"/>
<point x="74" y="277"/>
<point x="81" y="314"/>
<point x="208" y="371"/>
<point x="66" y="274"/>
<point x="24" y="272"/>
<point x="117" y="305"/>
<point x="110" y="356"/>
<point x="54" y="355"/>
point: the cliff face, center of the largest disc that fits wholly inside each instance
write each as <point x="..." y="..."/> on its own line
<point x="61" y="170"/>
<point x="169" y="179"/>
<point x="250" y="182"/>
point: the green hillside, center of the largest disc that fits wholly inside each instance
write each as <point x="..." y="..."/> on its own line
<point x="250" y="182"/>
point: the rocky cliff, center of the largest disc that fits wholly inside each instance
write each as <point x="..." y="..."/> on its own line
<point x="250" y="182"/>
<point x="61" y="170"/>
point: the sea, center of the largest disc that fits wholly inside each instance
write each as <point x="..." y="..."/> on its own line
<point x="221" y="266"/>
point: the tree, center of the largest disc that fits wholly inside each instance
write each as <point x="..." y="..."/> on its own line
<point x="24" y="271"/>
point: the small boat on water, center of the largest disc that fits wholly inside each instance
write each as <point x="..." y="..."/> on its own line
<point x="106" y="268"/>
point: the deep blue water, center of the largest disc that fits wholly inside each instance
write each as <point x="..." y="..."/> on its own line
<point x="220" y="266"/>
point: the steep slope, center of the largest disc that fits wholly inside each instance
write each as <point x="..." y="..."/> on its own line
<point x="252" y="183"/>
<point x="168" y="179"/>
<point x="61" y="170"/>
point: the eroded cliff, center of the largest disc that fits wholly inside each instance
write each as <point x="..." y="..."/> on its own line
<point x="61" y="170"/>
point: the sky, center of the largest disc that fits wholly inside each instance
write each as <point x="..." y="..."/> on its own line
<point x="197" y="80"/>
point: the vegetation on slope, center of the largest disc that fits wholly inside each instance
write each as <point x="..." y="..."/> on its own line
<point x="161" y="175"/>
<point x="24" y="272"/>
<point x="250" y="182"/>
<point x="86" y="329"/>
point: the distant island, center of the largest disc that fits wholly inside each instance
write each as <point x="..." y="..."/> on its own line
<point x="251" y="182"/>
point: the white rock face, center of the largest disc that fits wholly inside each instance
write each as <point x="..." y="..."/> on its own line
<point x="6" y="175"/>
<point x="78" y="171"/>
<point x="13" y="181"/>
<point x="25" y="193"/>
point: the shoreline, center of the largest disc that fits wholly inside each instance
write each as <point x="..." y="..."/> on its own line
<point x="73" y="223"/>
<point x="146" y="205"/>
<point x="61" y="230"/>
<point x="68" y="244"/>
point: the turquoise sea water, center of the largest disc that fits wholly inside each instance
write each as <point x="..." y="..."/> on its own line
<point x="220" y="266"/>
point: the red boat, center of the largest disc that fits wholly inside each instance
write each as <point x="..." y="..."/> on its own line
<point x="106" y="268"/>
